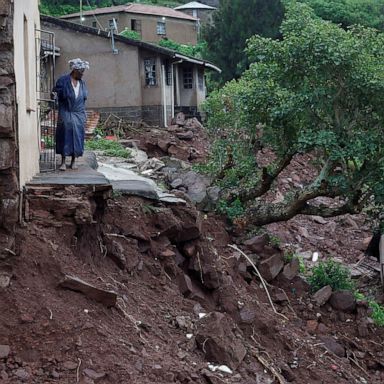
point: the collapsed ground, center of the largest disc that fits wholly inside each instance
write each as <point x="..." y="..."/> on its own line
<point x="174" y="296"/>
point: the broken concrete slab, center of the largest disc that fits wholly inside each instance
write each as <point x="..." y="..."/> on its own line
<point x="108" y="298"/>
<point x="135" y="188"/>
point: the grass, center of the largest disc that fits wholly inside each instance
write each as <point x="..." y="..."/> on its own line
<point x="108" y="147"/>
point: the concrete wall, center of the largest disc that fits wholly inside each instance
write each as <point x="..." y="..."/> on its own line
<point x="9" y="186"/>
<point x="180" y="30"/>
<point x="26" y="20"/>
<point x="112" y="79"/>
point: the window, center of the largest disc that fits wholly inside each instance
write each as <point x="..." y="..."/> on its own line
<point x="136" y="26"/>
<point x="161" y="28"/>
<point x="200" y="80"/>
<point x="94" y="24"/>
<point x="150" y="71"/>
<point x="188" y="78"/>
<point x="112" y="24"/>
<point x="168" y="72"/>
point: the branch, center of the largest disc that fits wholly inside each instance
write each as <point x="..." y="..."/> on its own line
<point x="330" y="212"/>
<point x="267" y="179"/>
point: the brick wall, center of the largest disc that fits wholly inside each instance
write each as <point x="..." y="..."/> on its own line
<point x="9" y="196"/>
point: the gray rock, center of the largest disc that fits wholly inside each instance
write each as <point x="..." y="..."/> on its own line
<point x="22" y="374"/>
<point x="257" y="243"/>
<point x="185" y="135"/>
<point x="271" y="267"/>
<point x="343" y="301"/>
<point x="291" y="269"/>
<point x="4" y="351"/>
<point x="333" y="346"/>
<point x="93" y="374"/>
<point x="322" y="295"/>
<point x="176" y="183"/>
<point x="5" y="280"/>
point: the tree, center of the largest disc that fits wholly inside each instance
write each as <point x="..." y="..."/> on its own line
<point x="369" y="13"/>
<point x="234" y="22"/>
<point x="318" y="91"/>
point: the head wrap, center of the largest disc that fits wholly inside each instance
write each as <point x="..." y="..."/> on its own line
<point x="78" y="64"/>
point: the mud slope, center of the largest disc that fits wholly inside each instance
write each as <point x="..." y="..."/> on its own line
<point x="184" y="299"/>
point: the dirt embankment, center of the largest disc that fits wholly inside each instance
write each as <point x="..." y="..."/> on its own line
<point x="183" y="299"/>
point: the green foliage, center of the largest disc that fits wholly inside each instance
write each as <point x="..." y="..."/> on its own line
<point x="348" y="12"/>
<point x="232" y="209"/>
<point x="234" y="22"/>
<point x="318" y="90"/>
<point x="109" y="148"/>
<point x="274" y="241"/>
<point x="185" y="49"/>
<point x="330" y="273"/>
<point x="130" y="34"/>
<point x="378" y="313"/>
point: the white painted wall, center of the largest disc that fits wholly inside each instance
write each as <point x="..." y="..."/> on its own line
<point x="26" y="19"/>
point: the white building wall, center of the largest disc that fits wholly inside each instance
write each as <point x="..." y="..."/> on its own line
<point x="26" y="20"/>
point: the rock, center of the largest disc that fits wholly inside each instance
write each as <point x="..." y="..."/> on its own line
<point x="333" y="346"/>
<point x="271" y="267"/>
<point x="291" y="269"/>
<point x="196" y="185"/>
<point x="247" y="314"/>
<point x="5" y="280"/>
<point x="163" y="145"/>
<point x="137" y="156"/>
<point x="343" y="301"/>
<point x="322" y="295"/>
<point x="287" y="373"/>
<point x="188" y="288"/>
<point x="312" y="326"/>
<point x="307" y="255"/>
<point x="322" y="329"/>
<point x="303" y="232"/>
<point x="215" y="337"/>
<point x="180" y="119"/>
<point x="179" y="151"/>
<point x="257" y="243"/>
<point x="22" y="374"/>
<point x="116" y="252"/>
<point x="185" y="135"/>
<point x="189" y="250"/>
<point x="70" y="365"/>
<point x="108" y="298"/>
<point x="177" y="183"/>
<point x="319" y="220"/>
<point x="4" y="351"/>
<point x="93" y="374"/>
<point x="167" y="254"/>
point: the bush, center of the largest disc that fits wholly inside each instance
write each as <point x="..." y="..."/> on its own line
<point x="378" y="313"/>
<point x="130" y="34"/>
<point x="330" y="273"/>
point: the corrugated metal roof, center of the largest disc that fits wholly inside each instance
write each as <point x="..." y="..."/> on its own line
<point x="143" y="9"/>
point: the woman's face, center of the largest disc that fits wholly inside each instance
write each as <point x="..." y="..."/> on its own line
<point x="78" y="73"/>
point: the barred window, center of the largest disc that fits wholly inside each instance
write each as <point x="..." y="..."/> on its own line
<point x="150" y="71"/>
<point x="160" y="29"/>
<point x="168" y="73"/>
<point x="188" y="78"/>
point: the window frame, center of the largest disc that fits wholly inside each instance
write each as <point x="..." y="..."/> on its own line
<point x="150" y="73"/>
<point x="188" y="77"/>
<point x="161" y="28"/>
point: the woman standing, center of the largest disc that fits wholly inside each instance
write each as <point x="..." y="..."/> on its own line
<point x="71" y="93"/>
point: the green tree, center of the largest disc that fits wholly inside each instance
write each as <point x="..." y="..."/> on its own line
<point x="318" y="91"/>
<point x="369" y="13"/>
<point x="234" y="22"/>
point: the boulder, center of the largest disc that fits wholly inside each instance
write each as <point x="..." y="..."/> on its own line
<point x="322" y="295"/>
<point x="185" y="135"/>
<point x="257" y="243"/>
<point x="108" y="298"/>
<point x="343" y="300"/>
<point x="216" y="338"/>
<point x="4" y="351"/>
<point x="291" y="269"/>
<point x="271" y="267"/>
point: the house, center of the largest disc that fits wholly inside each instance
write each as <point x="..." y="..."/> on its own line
<point x="130" y="78"/>
<point x="202" y="12"/>
<point x="152" y="22"/>
<point x="19" y="134"/>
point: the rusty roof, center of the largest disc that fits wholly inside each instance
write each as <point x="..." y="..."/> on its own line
<point x="143" y="9"/>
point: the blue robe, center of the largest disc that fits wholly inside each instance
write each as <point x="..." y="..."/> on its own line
<point x="71" y="119"/>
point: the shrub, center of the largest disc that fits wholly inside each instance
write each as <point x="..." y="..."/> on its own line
<point x="330" y="273"/>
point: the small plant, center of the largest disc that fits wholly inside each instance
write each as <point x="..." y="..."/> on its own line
<point x="232" y="210"/>
<point x="330" y="273"/>
<point x="108" y="147"/>
<point x="302" y="267"/>
<point x="130" y="34"/>
<point x="289" y="256"/>
<point x="378" y="313"/>
<point x="275" y="241"/>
